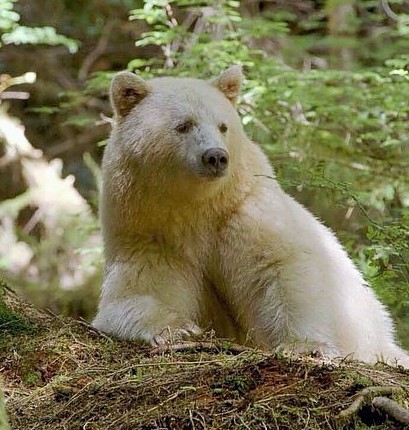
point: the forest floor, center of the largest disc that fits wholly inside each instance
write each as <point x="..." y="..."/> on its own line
<point x="59" y="373"/>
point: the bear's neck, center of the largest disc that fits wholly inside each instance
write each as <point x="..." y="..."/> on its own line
<point x="134" y="207"/>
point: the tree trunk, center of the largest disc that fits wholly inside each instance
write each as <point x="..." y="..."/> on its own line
<point x="342" y="27"/>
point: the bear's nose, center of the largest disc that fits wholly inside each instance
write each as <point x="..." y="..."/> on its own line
<point x="216" y="159"/>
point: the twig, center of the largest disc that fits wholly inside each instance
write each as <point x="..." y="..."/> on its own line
<point x="391" y="408"/>
<point x="362" y="398"/>
<point x="275" y="394"/>
<point x="182" y="363"/>
<point x="208" y="346"/>
<point x="93" y="329"/>
<point x="97" y="52"/>
<point x="186" y="24"/>
<point x="391" y="14"/>
<point x="33" y="221"/>
<point x="264" y="176"/>
<point x="388" y="11"/>
<point x="172" y="397"/>
<point x="171" y="23"/>
<point x="14" y="95"/>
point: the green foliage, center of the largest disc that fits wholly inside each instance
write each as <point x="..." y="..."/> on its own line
<point x="11" y="32"/>
<point x="209" y="31"/>
<point x="8" y="18"/>
<point x="22" y="35"/>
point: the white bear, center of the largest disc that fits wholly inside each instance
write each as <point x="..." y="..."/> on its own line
<point x="199" y="235"/>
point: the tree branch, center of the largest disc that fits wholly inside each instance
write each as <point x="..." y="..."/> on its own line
<point x="99" y="50"/>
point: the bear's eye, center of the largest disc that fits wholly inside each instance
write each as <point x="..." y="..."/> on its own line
<point x="185" y="127"/>
<point x="223" y="127"/>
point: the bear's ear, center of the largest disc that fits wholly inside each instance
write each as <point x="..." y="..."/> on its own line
<point x="127" y="90"/>
<point x="229" y="82"/>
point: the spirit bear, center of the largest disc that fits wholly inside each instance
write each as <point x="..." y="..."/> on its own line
<point x="199" y="235"/>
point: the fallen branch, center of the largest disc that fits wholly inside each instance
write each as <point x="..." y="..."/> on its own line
<point x="208" y="346"/>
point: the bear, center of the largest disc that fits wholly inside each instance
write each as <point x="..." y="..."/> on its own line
<point x="199" y="235"/>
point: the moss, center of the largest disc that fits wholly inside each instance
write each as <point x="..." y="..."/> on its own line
<point x="11" y="322"/>
<point x="356" y="380"/>
<point x="32" y="378"/>
<point x="67" y="375"/>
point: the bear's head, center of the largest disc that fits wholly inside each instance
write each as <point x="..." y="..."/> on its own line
<point x="182" y="127"/>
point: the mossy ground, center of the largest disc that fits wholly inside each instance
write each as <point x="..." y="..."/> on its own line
<point x="60" y="374"/>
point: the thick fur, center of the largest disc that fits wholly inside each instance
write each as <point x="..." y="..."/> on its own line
<point x="187" y="252"/>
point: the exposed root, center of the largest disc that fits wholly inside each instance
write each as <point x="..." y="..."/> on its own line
<point x="393" y="409"/>
<point x="363" y="397"/>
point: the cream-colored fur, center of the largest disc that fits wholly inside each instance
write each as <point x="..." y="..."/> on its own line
<point x="190" y="249"/>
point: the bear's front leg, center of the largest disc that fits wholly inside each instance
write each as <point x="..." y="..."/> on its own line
<point x="156" y="303"/>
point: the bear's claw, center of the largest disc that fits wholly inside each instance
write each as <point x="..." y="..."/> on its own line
<point x="173" y="335"/>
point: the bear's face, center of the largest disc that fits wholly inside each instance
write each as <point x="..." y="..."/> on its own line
<point x="186" y="127"/>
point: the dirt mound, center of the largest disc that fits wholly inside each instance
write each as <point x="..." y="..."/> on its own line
<point x="61" y="374"/>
